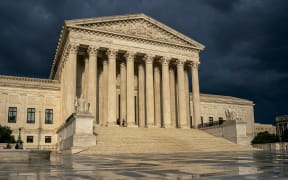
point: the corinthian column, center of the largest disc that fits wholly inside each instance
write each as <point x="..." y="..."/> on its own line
<point x="181" y="95"/>
<point x="186" y="82"/>
<point x="166" y="93"/>
<point x="71" y="78"/>
<point x="111" y="53"/>
<point x="130" y="89"/>
<point x="157" y="96"/>
<point x="122" y="92"/>
<point x="149" y="91"/>
<point x="104" y="93"/>
<point x="92" y="80"/>
<point x="172" y="96"/>
<point x="195" y="93"/>
<point x="141" y="95"/>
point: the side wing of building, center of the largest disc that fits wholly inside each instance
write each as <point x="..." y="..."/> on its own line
<point x="34" y="106"/>
<point x="213" y="108"/>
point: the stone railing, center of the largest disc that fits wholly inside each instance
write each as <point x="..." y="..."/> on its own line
<point x="27" y="82"/>
<point x="210" y="124"/>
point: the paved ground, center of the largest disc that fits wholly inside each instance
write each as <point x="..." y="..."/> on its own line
<point x="244" y="165"/>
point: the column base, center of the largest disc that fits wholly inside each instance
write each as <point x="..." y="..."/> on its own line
<point x="168" y="127"/>
<point x="112" y="124"/>
<point x="184" y="126"/>
<point x="151" y="126"/>
<point x="132" y="125"/>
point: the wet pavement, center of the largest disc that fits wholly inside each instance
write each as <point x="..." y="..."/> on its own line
<point x="180" y="166"/>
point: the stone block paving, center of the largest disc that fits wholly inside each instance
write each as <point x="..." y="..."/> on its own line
<point x="180" y="166"/>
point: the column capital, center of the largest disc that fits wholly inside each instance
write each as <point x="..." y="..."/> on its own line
<point x="73" y="48"/>
<point x="129" y="56"/>
<point x="194" y="65"/>
<point x="111" y="53"/>
<point x="92" y="50"/>
<point x="165" y="60"/>
<point x="180" y="62"/>
<point x="148" y="58"/>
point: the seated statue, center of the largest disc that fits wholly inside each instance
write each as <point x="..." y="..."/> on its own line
<point x="81" y="105"/>
<point x="231" y="114"/>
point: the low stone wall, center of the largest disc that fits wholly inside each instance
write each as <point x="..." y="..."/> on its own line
<point x="23" y="155"/>
<point x="272" y="146"/>
<point x="76" y="133"/>
<point x="234" y="131"/>
<point x="4" y="145"/>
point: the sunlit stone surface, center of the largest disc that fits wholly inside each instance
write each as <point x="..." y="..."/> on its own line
<point x="133" y="71"/>
<point x="244" y="165"/>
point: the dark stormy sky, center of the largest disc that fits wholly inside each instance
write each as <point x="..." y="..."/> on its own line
<point x="246" y="41"/>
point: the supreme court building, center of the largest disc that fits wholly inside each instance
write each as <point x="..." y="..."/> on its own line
<point x="133" y="70"/>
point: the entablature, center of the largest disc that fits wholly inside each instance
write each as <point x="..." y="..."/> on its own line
<point x="26" y="82"/>
<point x="138" y="29"/>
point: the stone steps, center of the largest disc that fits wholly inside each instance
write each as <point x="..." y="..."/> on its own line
<point x="115" y="140"/>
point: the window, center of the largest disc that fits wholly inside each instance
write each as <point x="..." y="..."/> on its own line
<point x="31" y="115"/>
<point x="210" y="120"/>
<point x="48" y="139"/>
<point x="48" y="116"/>
<point x="12" y="114"/>
<point x="202" y="123"/>
<point x="220" y="120"/>
<point x="29" y="139"/>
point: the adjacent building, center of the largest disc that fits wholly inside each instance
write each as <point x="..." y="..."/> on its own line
<point x="281" y="127"/>
<point x="264" y="128"/>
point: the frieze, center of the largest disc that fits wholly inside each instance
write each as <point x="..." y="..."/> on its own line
<point x="95" y="39"/>
<point x="90" y="35"/>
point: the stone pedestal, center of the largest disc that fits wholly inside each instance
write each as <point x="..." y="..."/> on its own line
<point x="76" y="134"/>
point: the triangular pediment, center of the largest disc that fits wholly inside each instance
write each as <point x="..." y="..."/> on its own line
<point x="138" y="26"/>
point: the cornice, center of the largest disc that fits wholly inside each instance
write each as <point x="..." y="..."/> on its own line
<point x="31" y="83"/>
<point x="211" y="98"/>
<point x="60" y="46"/>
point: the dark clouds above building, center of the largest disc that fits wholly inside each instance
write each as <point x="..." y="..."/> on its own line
<point x="246" y="41"/>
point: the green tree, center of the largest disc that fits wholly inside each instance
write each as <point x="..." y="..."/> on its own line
<point x="265" y="137"/>
<point x="5" y="135"/>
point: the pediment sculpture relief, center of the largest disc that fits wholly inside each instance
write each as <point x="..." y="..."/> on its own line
<point x="140" y="28"/>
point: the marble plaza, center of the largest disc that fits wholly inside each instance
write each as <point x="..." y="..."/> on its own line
<point x="127" y="71"/>
<point x="214" y="166"/>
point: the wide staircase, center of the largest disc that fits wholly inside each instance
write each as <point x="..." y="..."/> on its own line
<point x="113" y="140"/>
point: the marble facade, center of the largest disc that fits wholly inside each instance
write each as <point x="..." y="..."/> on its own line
<point x="133" y="70"/>
<point x="132" y="74"/>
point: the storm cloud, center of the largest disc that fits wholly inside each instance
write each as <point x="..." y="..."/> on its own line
<point x="246" y="41"/>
